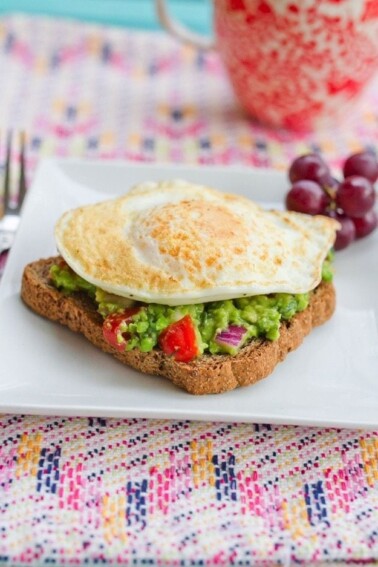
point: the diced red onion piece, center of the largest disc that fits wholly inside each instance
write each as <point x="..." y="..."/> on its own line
<point x="232" y="336"/>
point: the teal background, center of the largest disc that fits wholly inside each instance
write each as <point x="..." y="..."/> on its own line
<point x="139" y="14"/>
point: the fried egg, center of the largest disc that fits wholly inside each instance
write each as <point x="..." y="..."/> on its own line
<point x="176" y="243"/>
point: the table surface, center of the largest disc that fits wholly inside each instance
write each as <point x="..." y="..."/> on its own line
<point x="139" y="492"/>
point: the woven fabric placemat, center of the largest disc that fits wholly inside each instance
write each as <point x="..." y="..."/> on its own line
<point x="138" y="492"/>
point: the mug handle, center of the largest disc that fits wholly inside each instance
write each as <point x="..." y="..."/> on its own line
<point x="179" y="31"/>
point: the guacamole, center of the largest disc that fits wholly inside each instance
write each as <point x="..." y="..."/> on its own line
<point x="256" y="316"/>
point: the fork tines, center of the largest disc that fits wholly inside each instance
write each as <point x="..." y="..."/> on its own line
<point x="7" y="174"/>
<point x="8" y="209"/>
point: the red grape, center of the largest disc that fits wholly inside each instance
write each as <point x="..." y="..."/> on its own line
<point x="310" y="166"/>
<point x="364" y="164"/>
<point x="306" y="197"/>
<point x="355" y="196"/>
<point x="351" y="202"/>
<point x="346" y="234"/>
<point x="366" y="224"/>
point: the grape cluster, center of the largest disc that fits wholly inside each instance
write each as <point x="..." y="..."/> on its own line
<point x="351" y="201"/>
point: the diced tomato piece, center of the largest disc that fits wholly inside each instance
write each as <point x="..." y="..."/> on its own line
<point x="179" y="339"/>
<point x="111" y="327"/>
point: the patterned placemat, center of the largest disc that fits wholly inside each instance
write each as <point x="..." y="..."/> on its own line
<point x="138" y="492"/>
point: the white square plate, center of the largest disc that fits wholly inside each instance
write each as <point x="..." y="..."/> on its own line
<point x="331" y="380"/>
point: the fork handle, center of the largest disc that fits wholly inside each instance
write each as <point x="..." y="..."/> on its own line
<point x="8" y="228"/>
<point x="6" y="241"/>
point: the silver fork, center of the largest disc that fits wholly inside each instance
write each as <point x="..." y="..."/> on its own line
<point x="11" y="218"/>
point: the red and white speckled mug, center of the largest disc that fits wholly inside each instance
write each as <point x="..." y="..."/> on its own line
<point x="292" y="63"/>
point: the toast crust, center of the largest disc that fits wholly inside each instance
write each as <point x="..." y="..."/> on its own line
<point x="210" y="374"/>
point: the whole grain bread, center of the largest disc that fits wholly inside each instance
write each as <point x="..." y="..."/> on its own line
<point x="209" y="374"/>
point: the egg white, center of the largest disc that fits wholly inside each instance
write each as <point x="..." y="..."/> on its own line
<point x="176" y="243"/>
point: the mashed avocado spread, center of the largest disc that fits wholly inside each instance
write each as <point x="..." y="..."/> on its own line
<point x="260" y="315"/>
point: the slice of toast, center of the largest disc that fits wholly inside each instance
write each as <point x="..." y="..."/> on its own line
<point x="209" y="374"/>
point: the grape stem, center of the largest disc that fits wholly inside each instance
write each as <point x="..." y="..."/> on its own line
<point x="330" y="192"/>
